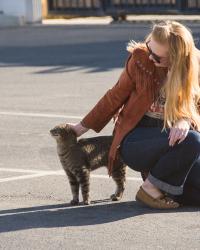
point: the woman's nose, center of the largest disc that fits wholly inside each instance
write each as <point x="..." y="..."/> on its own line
<point x="151" y="58"/>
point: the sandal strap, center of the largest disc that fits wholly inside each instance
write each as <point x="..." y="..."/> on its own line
<point x="160" y="197"/>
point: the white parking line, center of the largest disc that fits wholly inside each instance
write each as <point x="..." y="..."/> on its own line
<point x="21" y="177"/>
<point x="20" y="170"/>
<point x="40" y="115"/>
<point x="40" y="173"/>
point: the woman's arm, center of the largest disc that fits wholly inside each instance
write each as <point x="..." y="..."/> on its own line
<point x="113" y="99"/>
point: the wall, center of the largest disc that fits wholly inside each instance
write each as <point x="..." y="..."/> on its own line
<point x="30" y="10"/>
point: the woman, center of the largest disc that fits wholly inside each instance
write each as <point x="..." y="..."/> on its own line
<point x="157" y="121"/>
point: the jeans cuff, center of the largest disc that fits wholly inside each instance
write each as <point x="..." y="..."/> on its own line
<point x="176" y="190"/>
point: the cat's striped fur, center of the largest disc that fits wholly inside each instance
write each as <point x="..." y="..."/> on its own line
<point x="79" y="157"/>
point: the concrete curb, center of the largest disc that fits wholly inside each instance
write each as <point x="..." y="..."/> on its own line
<point x="156" y="18"/>
<point x="131" y="19"/>
<point x="7" y="20"/>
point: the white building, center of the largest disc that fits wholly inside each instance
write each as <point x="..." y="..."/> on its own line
<point x="19" y="12"/>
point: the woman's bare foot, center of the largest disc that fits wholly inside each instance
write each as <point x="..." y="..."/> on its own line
<point x="151" y="189"/>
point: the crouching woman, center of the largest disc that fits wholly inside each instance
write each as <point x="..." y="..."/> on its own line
<point x="155" y="105"/>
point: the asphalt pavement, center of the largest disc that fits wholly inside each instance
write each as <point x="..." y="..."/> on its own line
<point x="57" y="73"/>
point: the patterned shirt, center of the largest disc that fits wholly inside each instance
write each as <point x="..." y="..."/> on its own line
<point x="157" y="108"/>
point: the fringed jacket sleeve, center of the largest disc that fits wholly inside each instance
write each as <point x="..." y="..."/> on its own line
<point x="113" y="99"/>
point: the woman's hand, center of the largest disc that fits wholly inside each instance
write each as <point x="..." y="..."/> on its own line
<point x="79" y="129"/>
<point x="179" y="131"/>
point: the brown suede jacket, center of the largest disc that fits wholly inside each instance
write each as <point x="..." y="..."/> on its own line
<point x="128" y="100"/>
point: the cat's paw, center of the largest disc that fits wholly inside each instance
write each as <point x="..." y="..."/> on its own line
<point x="86" y="202"/>
<point x="74" y="202"/>
<point x="114" y="197"/>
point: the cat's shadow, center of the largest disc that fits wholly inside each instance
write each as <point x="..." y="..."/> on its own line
<point x="62" y="215"/>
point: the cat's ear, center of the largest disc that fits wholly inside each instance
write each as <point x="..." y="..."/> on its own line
<point x="73" y="132"/>
<point x="70" y="129"/>
<point x="67" y="126"/>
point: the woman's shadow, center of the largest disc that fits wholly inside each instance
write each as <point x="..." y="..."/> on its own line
<point x="63" y="215"/>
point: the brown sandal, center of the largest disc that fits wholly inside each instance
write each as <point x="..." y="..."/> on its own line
<point x="162" y="202"/>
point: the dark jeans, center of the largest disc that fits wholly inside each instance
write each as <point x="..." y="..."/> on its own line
<point x="175" y="170"/>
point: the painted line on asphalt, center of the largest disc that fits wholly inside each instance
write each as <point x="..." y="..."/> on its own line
<point x="21" y="170"/>
<point x="21" y="177"/>
<point x="40" y="173"/>
<point x="40" y="115"/>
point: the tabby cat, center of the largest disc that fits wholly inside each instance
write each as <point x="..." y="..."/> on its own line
<point x="79" y="157"/>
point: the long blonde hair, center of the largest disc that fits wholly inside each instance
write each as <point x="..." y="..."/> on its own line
<point x="182" y="89"/>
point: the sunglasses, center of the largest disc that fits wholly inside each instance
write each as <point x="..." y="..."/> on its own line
<point x="157" y="58"/>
